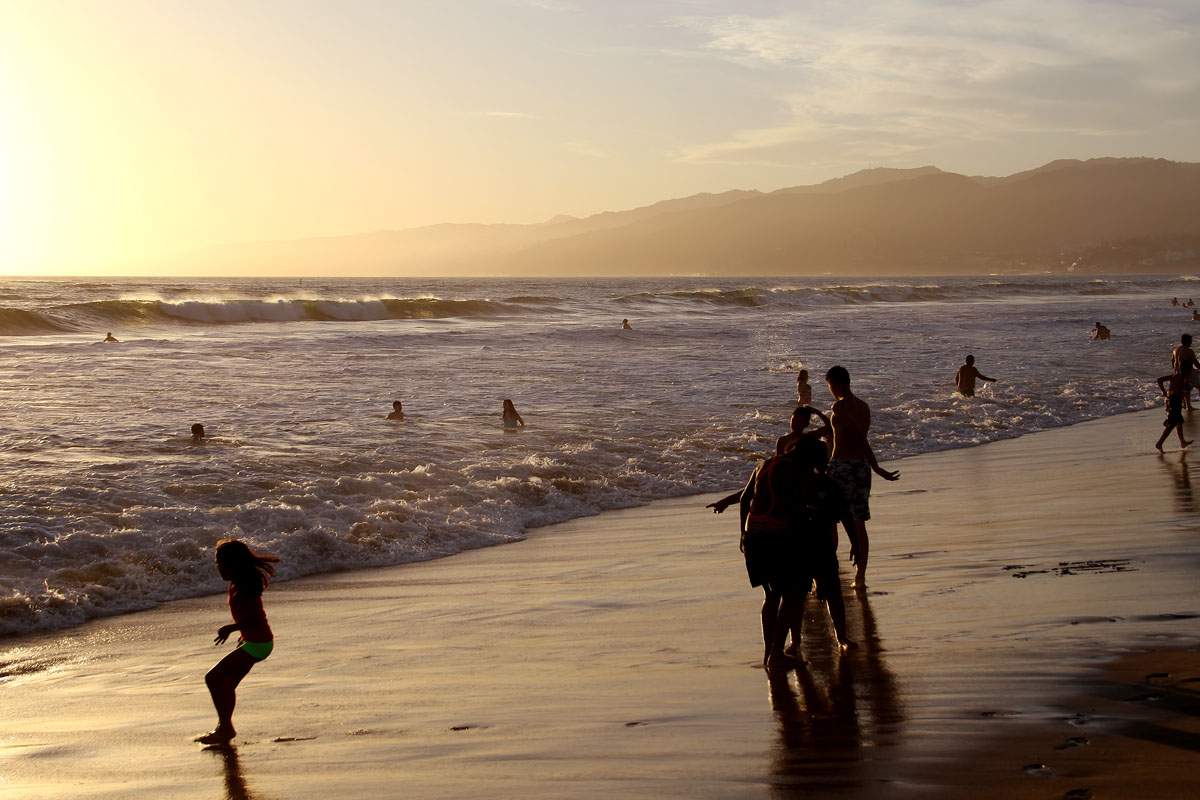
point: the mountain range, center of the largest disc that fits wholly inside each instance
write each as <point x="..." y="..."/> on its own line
<point x="1098" y="216"/>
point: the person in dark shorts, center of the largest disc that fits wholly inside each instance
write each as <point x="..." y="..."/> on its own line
<point x="1174" y="387"/>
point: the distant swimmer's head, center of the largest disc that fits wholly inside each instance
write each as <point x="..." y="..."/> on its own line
<point x="802" y="376"/>
<point x="397" y="405"/>
<point x="508" y="406"/>
<point x="970" y="360"/>
<point x="197" y="432"/>
<point x="839" y="375"/>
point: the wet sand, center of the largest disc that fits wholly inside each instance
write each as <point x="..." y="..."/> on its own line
<point x="1024" y="596"/>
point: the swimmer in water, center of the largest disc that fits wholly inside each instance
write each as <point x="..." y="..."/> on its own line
<point x="111" y="338"/>
<point x="197" y="433"/>
<point x="1101" y="332"/>
<point x="248" y="573"/>
<point x="803" y="390"/>
<point x="397" y="410"/>
<point x="625" y="326"/>
<point x="511" y="417"/>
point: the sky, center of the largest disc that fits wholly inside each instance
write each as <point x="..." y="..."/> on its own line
<point x="135" y="129"/>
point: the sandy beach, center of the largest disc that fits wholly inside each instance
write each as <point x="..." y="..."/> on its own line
<point x="1029" y="631"/>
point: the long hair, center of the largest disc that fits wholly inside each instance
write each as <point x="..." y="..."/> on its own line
<point x="251" y="571"/>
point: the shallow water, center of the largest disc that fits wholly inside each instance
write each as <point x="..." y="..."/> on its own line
<point x="109" y="508"/>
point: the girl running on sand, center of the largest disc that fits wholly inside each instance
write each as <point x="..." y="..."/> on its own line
<point x="248" y="573"/>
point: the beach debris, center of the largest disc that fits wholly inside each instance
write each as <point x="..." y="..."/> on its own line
<point x="467" y="727"/>
<point x="1078" y="794"/>
<point x="293" y="739"/>
<point x="1145" y="698"/>
<point x="1037" y="769"/>
<point x="1075" y="567"/>
<point x="634" y="724"/>
<point x="1155" y="677"/>
<point x="1073" y="741"/>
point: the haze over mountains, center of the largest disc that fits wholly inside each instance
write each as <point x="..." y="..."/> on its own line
<point x="1102" y="215"/>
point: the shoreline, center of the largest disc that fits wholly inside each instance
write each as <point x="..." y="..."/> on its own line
<point x="614" y="655"/>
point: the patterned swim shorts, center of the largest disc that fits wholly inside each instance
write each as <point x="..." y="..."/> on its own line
<point x="854" y="476"/>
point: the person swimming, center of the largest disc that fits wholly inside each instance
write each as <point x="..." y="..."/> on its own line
<point x="511" y="417"/>
<point x="197" y="433"/>
<point x="111" y="338"/>
<point x="625" y="326"/>
<point x="397" y="410"/>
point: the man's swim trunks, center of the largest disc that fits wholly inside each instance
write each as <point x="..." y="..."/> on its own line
<point x="1174" y="411"/>
<point x="854" y="476"/>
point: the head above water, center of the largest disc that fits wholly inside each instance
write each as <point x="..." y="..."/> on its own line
<point x="397" y="405"/>
<point x="197" y="431"/>
<point x="802" y="376"/>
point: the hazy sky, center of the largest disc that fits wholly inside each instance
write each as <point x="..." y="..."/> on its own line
<point x="131" y="128"/>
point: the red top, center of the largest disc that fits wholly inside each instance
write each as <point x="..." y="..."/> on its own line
<point x="247" y="611"/>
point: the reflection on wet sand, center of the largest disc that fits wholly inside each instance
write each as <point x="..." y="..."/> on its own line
<point x="1185" y="496"/>
<point x="831" y="711"/>
<point x="235" y="784"/>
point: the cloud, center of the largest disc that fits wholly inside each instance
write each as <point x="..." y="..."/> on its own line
<point x="886" y="79"/>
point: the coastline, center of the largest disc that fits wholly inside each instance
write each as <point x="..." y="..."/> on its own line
<point x="614" y="655"/>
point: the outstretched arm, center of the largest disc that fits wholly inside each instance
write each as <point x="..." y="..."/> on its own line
<point x="893" y="475"/>
<point x="725" y="502"/>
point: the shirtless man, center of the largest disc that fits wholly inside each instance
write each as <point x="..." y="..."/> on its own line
<point x="1183" y="359"/>
<point x="397" y="410"/>
<point x="851" y="464"/>
<point x="1101" y="332"/>
<point x="966" y="377"/>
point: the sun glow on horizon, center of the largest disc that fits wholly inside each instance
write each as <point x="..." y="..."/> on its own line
<point x="132" y="131"/>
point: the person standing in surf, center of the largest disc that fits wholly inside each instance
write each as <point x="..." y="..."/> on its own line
<point x="511" y="417"/>
<point x="248" y="573"/>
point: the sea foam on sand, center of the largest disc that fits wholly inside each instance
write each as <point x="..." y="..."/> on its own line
<point x="615" y="657"/>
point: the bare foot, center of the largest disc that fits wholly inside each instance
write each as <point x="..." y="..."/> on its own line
<point x="1159" y="446"/>
<point x="792" y="649"/>
<point x="860" y="582"/>
<point x="784" y="661"/>
<point x="218" y="735"/>
<point x="846" y="644"/>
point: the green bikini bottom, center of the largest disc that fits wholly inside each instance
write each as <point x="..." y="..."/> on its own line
<point x="259" y="650"/>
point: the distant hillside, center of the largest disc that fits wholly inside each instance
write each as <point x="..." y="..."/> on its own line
<point x="1110" y="215"/>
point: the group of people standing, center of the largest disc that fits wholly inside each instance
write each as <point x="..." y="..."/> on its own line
<point x="790" y="508"/>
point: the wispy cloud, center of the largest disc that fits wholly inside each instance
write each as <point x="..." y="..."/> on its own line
<point x="892" y="78"/>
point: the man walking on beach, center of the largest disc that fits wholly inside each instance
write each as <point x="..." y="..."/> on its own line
<point x="1183" y="359"/>
<point x="851" y="464"/>
<point x="1174" y="393"/>
<point x="967" y="375"/>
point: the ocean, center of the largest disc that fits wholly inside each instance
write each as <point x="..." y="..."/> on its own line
<point x="108" y="507"/>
